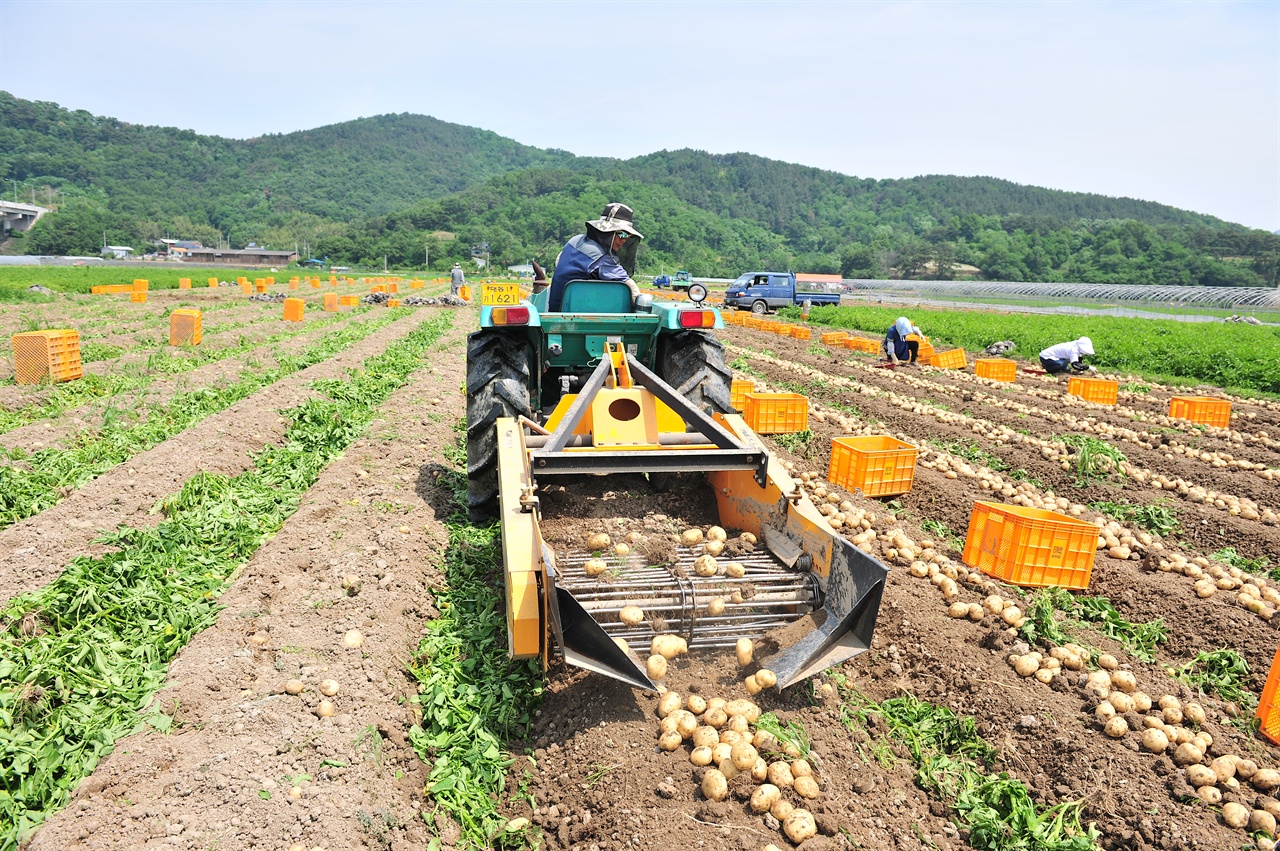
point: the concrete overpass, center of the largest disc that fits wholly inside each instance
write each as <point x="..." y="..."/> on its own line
<point x="16" y="216"/>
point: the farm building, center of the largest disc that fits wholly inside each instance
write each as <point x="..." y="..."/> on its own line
<point x="241" y="257"/>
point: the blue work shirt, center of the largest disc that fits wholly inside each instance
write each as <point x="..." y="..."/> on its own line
<point x="583" y="259"/>
<point x="896" y="343"/>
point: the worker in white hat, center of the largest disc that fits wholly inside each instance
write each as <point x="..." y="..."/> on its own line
<point x="456" y="279"/>
<point x="606" y="252"/>
<point x="1067" y="357"/>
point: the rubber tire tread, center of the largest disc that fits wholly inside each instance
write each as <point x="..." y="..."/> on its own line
<point x="497" y="386"/>
<point x="693" y="363"/>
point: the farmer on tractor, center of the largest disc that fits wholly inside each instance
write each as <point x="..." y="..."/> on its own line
<point x="606" y="252"/>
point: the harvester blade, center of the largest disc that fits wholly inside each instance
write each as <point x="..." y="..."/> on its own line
<point x="586" y="645"/>
<point x="842" y="628"/>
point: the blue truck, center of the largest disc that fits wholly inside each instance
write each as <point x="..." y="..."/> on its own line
<point x="761" y="292"/>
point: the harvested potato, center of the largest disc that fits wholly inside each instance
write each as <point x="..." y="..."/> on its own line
<point x="705" y="736"/>
<point x="715" y="606"/>
<point x="806" y="786"/>
<point x="1194" y="713"/>
<point x="686" y="725"/>
<point x="696" y="703"/>
<point x="753" y="685"/>
<point x="799" y="826"/>
<point x="1264" y="779"/>
<point x="766" y="678"/>
<point x="1116" y="727"/>
<point x="714" y="784"/>
<point x="668" y="646"/>
<point x="668" y="703"/>
<point x="1209" y="794"/>
<point x="656" y="667"/>
<point x="716" y="533"/>
<point x="621" y="550"/>
<point x="669" y="741"/>
<point x="748" y="539"/>
<point x="1201" y="775"/>
<point x="735" y="570"/>
<point x="1124" y="681"/>
<point x="1261" y="821"/>
<point x="1224" y="768"/>
<point x="1155" y="740"/>
<point x="599" y="542"/>
<point x="595" y="567"/>
<point x="691" y="537"/>
<point x="705" y="566"/>
<point x="745" y="650"/>
<point x="713" y="548"/>
<point x="781" y="809"/>
<point x="780" y="775"/>
<point x="631" y="615"/>
<point x="715" y="717"/>
<point x="720" y="752"/>
<point x="765" y="797"/>
<point x="744" y="756"/>
<point x="1187" y="754"/>
<point x="739" y="725"/>
<point x="760" y="771"/>
<point x="700" y="756"/>
<point x="1235" y="815"/>
<point x="745" y="708"/>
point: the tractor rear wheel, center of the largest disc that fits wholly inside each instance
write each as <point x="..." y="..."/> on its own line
<point x="693" y="363"/>
<point x="497" y="386"/>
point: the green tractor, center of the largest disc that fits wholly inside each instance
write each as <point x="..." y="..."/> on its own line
<point x="524" y="360"/>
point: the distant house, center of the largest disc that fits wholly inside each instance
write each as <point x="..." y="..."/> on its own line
<point x="119" y="252"/>
<point x="522" y="270"/>
<point x="241" y="257"/>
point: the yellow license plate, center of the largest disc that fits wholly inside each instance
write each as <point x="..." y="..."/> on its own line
<point x="500" y="294"/>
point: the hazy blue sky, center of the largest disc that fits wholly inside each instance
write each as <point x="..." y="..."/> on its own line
<point x="1171" y="102"/>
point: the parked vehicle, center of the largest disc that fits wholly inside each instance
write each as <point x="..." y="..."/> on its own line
<point x="680" y="283"/>
<point x="662" y="281"/>
<point x="761" y="292"/>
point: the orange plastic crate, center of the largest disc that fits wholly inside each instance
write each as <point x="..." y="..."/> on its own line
<point x="260" y="286"/>
<point x="1093" y="389"/>
<point x="997" y="369"/>
<point x="953" y="359"/>
<point x="331" y="302"/>
<point x="1029" y="546"/>
<point x="415" y="285"/>
<point x="877" y="465"/>
<point x="246" y="288"/>
<point x="464" y="292"/>
<point x="349" y="300"/>
<point x="141" y="285"/>
<point x="184" y="283"/>
<point x="52" y="354"/>
<point x="1268" y="712"/>
<point x="833" y="338"/>
<point x="184" y="328"/>
<point x="294" y="309"/>
<point x="1201" y="409"/>
<point x="393" y="302"/>
<point x="926" y="353"/>
<point x="776" y="413"/>
<point x="138" y="298"/>
<point x="213" y="283"/>
<point x="393" y="287"/>
<point x="378" y="288"/>
<point x="293" y="285"/>
<point x="799" y="332"/>
<point x="315" y="285"/>
<point x="738" y="391"/>
<point x="271" y="282"/>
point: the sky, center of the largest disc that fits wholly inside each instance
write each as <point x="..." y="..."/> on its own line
<point x="1176" y="102"/>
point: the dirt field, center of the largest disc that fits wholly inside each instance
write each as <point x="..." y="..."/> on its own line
<point x="242" y="763"/>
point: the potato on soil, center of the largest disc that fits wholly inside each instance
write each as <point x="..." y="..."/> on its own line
<point x="1235" y="815"/>
<point x="668" y="646"/>
<point x="1116" y="727"/>
<point x="781" y="809"/>
<point x="715" y="717"/>
<point x="631" y="615"/>
<point x="1264" y="779"/>
<point x="324" y="709"/>
<point x="669" y="741"/>
<point x="329" y="687"/>
<point x="656" y="667"/>
<point x="744" y="756"/>
<point x="765" y="797"/>
<point x="599" y="542"/>
<point x="353" y="639"/>
<point x="668" y="703"/>
<point x="294" y="687"/>
<point x="706" y="736"/>
<point x="691" y="537"/>
<point x="766" y="678"/>
<point x="1261" y="821"/>
<point x="806" y="786"/>
<point x="799" y="826"/>
<point x="752" y="685"/>
<point x="780" y="775"/>
<point x="700" y="756"/>
<point x="716" y="533"/>
<point x="1201" y="775"/>
<point x="1155" y="740"/>
<point x="696" y="703"/>
<point x="714" y="785"/>
<point x="1209" y="794"/>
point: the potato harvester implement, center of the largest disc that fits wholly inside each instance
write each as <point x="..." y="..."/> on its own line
<point x="652" y="396"/>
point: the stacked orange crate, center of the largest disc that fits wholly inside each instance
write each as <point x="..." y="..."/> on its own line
<point x="52" y="354"/>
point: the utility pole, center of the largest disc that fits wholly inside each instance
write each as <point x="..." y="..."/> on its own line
<point x="426" y="256"/>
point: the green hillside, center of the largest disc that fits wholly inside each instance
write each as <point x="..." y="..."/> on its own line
<point x="403" y="186"/>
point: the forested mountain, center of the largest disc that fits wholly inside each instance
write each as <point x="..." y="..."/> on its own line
<point x="401" y="186"/>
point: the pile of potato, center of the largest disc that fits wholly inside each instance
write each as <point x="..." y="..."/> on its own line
<point x="1254" y="593"/>
<point x="720" y="736"/>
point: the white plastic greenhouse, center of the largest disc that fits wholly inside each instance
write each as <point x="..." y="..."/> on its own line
<point x="1192" y="304"/>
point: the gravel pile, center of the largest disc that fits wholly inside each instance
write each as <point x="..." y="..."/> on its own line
<point x="268" y="297"/>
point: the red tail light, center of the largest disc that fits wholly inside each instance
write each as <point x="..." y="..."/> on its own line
<point x="697" y="319"/>
<point x="510" y="316"/>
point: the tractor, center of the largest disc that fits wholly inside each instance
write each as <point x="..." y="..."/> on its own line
<point x="603" y="387"/>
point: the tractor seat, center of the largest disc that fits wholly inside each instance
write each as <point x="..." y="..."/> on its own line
<point x="596" y="297"/>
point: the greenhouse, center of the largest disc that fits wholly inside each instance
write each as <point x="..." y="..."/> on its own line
<point x="1192" y="304"/>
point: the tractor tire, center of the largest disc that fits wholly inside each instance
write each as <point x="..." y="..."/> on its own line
<point x="693" y="363"/>
<point x="497" y="386"/>
<point x="759" y="307"/>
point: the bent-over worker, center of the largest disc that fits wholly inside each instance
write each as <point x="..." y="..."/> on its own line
<point x="606" y="252"/>
<point x="1067" y="357"/>
<point x="897" y="347"/>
